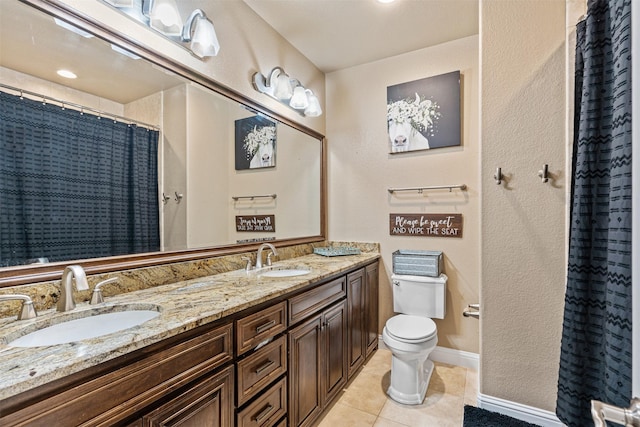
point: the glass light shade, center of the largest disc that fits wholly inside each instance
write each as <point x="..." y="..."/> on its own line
<point x="299" y="99"/>
<point x="164" y="17"/>
<point x="314" y="109"/>
<point x="282" y="89"/>
<point x="204" y="41"/>
<point x="121" y="3"/>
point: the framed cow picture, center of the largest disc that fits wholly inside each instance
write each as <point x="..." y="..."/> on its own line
<point x="424" y="114"/>
<point x="255" y="143"/>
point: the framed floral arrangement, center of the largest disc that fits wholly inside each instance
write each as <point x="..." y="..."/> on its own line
<point x="424" y="114"/>
<point x="255" y="143"/>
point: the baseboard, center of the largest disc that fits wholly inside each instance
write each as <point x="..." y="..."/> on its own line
<point x="449" y="356"/>
<point x="517" y="410"/>
<point x="456" y="358"/>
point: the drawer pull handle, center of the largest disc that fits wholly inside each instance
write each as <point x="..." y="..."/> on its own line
<point x="264" y="366"/>
<point x="263" y="413"/>
<point x="260" y="329"/>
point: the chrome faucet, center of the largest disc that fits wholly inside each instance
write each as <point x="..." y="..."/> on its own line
<point x="66" y="302"/>
<point x="27" y="311"/>
<point x="259" y="256"/>
<point x="96" y="296"/>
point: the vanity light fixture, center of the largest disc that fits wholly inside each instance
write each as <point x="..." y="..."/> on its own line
<point x="280" y="86"/>
<point x="313" y="109"/>
<point x="299" y="99"/>
<point x="201" y="35"/>
<point x="165" y="17"/>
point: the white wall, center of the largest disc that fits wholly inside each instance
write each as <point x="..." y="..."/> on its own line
<point x="361" y="170"/>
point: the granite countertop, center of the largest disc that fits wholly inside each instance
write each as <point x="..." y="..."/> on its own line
<point x="183" y="306"/>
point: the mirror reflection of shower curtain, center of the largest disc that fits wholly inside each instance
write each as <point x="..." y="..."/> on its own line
<point x="74" y="185"/>
<point x="596" y="359"/>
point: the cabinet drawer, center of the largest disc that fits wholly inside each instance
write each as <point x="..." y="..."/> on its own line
<point x="267" y="410"/>
<point x="255" y="328"/>
<point x="307" y="303"/>
<point x="259" y="369"/>
<point x="208" y="402"/>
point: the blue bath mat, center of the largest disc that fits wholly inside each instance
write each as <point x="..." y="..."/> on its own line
<point x="476" y="417"/>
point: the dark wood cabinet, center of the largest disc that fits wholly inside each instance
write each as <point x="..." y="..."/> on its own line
<point x="334" y="352"/>
<point x="371" y="308"/>
<point x="208" y="403"/>
<point x="362" y="298"/>
<point x="355" y="334"/>
<point x="317" y="362"/>
<point x="120" y="389"/>
<point x="305" y="347"/>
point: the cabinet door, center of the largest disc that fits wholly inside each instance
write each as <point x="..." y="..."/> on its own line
<point x="334" y="355"/>
<point x="209" y="403"/>
<point x="304" y="372"/>
<point x="355" y="336"/>
<point x="371" y="308"/>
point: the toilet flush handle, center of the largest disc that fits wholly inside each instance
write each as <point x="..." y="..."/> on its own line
<point x="396" y="282"/>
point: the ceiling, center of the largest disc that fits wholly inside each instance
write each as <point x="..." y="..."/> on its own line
<point x="32" y="43"/>
<point x="333" y="34"/>
<point x="337" y="34"/>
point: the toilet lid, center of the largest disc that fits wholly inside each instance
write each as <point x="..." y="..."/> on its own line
<point x="406" y="327"/>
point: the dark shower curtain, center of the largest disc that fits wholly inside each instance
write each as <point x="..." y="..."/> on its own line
<point x="595" y="361"/>
<point x="74" y="185"/>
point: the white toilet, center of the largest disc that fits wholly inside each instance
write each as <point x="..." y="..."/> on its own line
<point x="411" y="335"/>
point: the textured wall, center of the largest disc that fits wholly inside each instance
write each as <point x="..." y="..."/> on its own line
<point x="523" y="126"/>
<point x="361" y="170"/>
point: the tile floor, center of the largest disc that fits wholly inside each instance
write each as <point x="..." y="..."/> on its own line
<point x="364" y="402"/>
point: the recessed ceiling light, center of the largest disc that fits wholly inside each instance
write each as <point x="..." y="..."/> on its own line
<point x="67" y="74"/>
<point x="386" y="1"/>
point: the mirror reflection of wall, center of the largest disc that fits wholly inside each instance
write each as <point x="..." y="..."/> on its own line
<point x="196" y="142"/>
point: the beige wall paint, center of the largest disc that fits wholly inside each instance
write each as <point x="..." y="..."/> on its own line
<point x="361" y="170"/>
<point x="523" y="126"/>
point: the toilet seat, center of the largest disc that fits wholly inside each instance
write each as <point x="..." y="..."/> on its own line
<point x="411" y="329"/>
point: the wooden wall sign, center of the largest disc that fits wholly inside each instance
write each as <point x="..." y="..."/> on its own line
<point x="256" y="223"/>
<point x="435" y="225"/>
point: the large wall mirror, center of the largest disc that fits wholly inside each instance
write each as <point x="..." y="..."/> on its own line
<point x="204" y="191"/>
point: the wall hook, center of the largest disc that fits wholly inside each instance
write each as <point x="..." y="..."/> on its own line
<point x="544" y="173"/>
<point x="178" y="196"/>
<point x="165" y="198"/>
<point x="498" y="176"/>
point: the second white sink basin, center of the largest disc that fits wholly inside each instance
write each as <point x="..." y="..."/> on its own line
<point x="84" y="328"/>
<point x="285" y="272"/>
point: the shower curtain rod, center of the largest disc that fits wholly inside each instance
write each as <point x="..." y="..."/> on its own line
<point x="81" y="108"/>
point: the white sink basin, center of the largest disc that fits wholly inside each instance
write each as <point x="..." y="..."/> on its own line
<point x="84" y="328"/>
<point x="285" y="272"/>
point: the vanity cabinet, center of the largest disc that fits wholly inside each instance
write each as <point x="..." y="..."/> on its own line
<point x="317" y="351"/>
<point x="182" y="370"/>
<point x="362" y="335"/>
<point x="275" y="365"/>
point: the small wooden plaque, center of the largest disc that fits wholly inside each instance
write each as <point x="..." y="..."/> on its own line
<point x="425" y="225"/>
<point x="256" y="223"/>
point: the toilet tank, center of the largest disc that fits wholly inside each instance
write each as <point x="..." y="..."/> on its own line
<point x="419" y="295"/>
